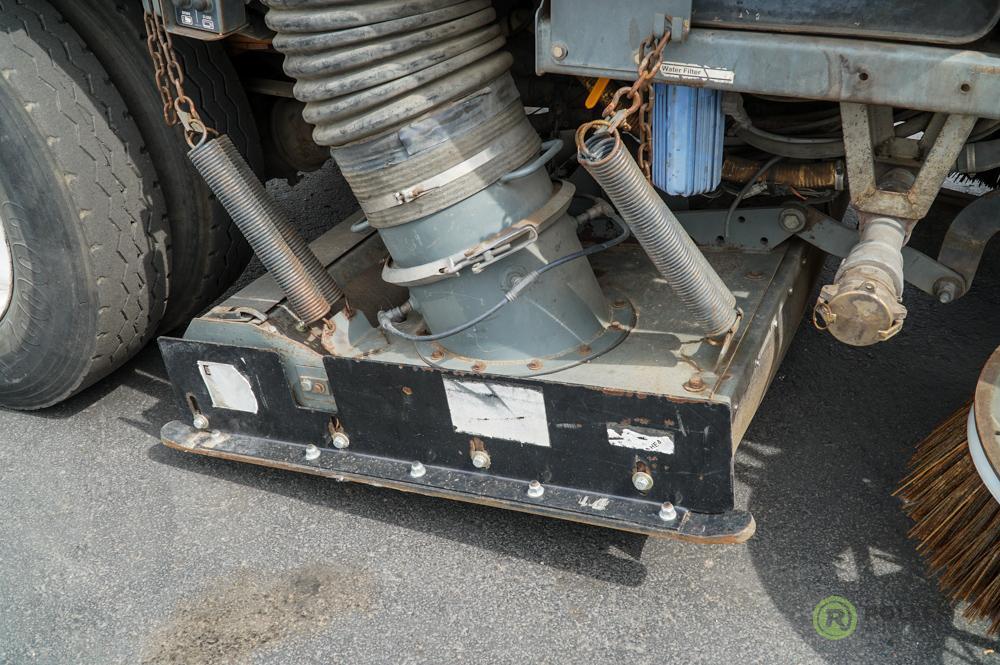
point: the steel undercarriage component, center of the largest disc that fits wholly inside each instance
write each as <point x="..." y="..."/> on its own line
<point x="599" y="42"/>
<point x="583" y="434"/>
<point x="864" y="304"/>
<point x="512" y="366"/>
<point x="426" y="124"/>
<point x="911" y="199"/>
<point x="965" y="242"/>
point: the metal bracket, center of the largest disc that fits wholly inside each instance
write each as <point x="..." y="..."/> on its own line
<point x="676" y="13"/>
<point x="237" y="315"/>
<point x="915" y="203"/>
<point x="834" y="238"/>
<point x="776" y="225"/>
<point x="963" y="245"/>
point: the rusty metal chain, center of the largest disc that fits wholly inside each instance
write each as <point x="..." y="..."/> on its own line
<point x="169" y="77"/>
<point x="641" y="105"/>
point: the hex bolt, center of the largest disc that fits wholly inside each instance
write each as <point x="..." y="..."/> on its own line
<point x="200" y="421"/>
<point x="793" y="221"/>
<point x="535" y="489"/>
<point x="946" y="291"/>
<point x="695" y="384"/>
<point x="481" y="459"/>
<point x="341" y="440"/>
<point x="312" y="452"/>
<point x="642" y="481"/>
<point x="418" y="470"/>
<point x="307" y="385"/>
<point x="559" y="51"/>
<point x="667" y="512"/>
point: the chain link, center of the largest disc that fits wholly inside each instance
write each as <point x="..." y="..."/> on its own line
<point x="169" y="77"/>
<point x="641" y="105"/>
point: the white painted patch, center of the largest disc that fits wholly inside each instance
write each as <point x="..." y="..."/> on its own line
<point x="229" y="389"/>
<point x="629" y="438"/>
<point x="882" y="563"/>
<point x="683" y="71"/>
<point x="599" y="504"/>
<point x="845" y="566"/>
<point x="497" y="411"/>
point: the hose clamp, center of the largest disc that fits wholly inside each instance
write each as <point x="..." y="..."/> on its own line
<point x="511" y="240"/>
<point x="416" y="191"/>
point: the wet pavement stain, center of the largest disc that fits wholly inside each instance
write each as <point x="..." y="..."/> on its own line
<point x="246" y="611"/>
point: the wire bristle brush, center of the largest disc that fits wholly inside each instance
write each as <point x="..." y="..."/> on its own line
<point x="956" y="515"/>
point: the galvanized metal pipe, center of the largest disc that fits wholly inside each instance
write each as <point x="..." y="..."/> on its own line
<point x="666" y="242"/>
<point x="310" y="289"/>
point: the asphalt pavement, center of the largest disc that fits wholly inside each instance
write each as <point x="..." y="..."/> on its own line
<point x="114" y="549"/>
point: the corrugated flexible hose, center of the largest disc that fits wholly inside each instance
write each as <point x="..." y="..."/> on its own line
<point x="364" y="67"/>
<point x="668" y="245"/>
<point x="310" y="290"/>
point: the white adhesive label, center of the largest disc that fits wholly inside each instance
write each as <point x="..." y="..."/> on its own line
<point x="697" y="73"/>
<point x="649" y="440"/>
<point x="229" y="389"/>
<point x="498" y="411"/>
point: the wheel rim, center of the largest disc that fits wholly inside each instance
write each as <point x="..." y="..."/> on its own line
<point x="6" y="271"/>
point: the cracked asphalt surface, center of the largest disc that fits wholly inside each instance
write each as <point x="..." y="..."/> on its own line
<point x="114" y="549"/>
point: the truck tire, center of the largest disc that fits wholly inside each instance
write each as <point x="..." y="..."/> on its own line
<point x="83" y="220"/>
<point x="207" y="252"/>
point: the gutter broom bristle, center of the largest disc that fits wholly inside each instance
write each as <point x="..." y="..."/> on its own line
<point x="956" y="520"/>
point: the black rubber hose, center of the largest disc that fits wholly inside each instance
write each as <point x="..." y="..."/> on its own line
<point x="310" y="290"/>
<point x="979" y="157"/>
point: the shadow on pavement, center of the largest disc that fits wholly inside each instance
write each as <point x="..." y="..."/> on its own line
<point x="602" y="554"/>
<point x="828" y="448"/>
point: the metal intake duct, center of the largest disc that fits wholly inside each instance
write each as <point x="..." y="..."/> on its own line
<point x="415" y="99"/>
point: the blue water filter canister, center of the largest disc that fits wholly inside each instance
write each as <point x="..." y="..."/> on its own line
<point x="688" y="131"/>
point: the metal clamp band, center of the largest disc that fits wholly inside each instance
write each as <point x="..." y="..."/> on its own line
<point x="497" y="247"/>
<point x="401" y="197"/>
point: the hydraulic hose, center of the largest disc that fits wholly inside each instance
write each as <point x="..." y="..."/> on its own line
<point x="310" y="289"/>
<point x="813" y="175"/>
<point x="668" y="245"/>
